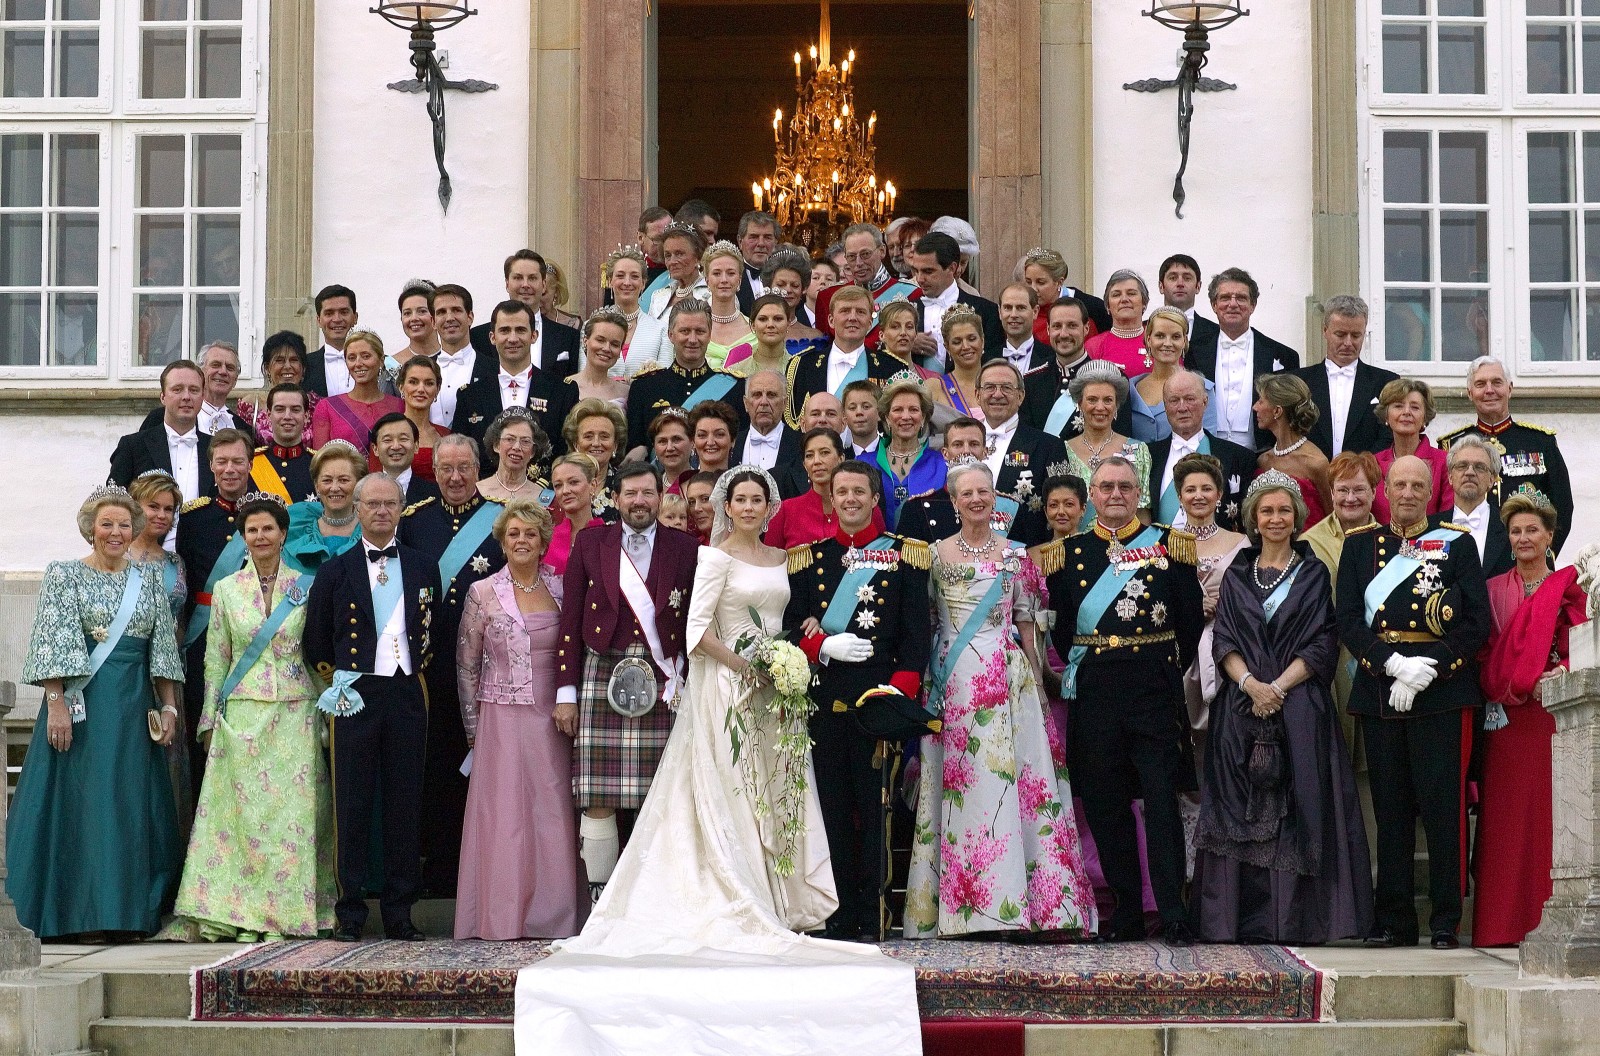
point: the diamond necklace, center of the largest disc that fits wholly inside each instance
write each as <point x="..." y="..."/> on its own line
<point x="974" y="551"/>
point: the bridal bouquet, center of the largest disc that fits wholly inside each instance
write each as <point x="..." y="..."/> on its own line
<point x="780" y="719"/>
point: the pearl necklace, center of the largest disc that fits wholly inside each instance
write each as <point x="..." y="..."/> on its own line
<point x="715" y="318"/>
<point x="631" y="316"/>
<point x="974" y="551"/>
<point x="1255" y="572"/>
<point x="509" y="489"/>
<point x="1127" y="334"/>
<point x="1292" y="448"/>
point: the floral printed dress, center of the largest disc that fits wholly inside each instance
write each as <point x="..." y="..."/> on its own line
<point x="995" y="849"/>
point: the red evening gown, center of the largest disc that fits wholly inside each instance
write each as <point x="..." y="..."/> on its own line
<point x="1514" y="822"/>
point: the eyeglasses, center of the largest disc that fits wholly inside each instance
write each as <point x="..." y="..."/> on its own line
<point x="1471" y="467"/>
<point x="381" y="504"/>
<point x="517" y="441"/>
<point x="997" y="386"/>
<point x="860" y="255"/>
<point x="1117" y="487"/>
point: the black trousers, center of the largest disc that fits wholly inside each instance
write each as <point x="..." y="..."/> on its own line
<point x="1415" y="764"/>
<point x="194" y="698"/>
<point x="850" y="792"/>
<point x="380" y="747"/>
<point x="1126" y="733"/>
<point x="444" y="788"/>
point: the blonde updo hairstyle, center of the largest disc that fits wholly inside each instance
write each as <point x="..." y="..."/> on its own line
<point x="1290" y="395"/>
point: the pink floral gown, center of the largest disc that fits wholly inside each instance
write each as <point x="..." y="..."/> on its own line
<point x="994" y="848"/>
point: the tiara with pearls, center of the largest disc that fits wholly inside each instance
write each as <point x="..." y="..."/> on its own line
<point x="263" y="496"/>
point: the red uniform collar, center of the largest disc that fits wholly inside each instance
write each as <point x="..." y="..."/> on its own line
<point x="1496" y="429"/>
<point x="288" y="452"/>
<point x="861" y="538"/>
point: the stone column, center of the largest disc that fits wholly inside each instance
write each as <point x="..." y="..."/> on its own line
<point x="554" y="88"/>
<point x="290" y="164"/>
<point x="1336" y="186"/>
<point x="19" y="947"/>
<point x="613" y="115"/>
<point x="1066" y="135"/>
<point x="1566" y="945"/>
<point x="1006" y="184"/>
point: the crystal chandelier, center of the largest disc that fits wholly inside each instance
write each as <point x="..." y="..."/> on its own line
<point x="823" y="178"/>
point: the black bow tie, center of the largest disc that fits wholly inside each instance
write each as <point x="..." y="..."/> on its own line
<point x="388" y="551"/>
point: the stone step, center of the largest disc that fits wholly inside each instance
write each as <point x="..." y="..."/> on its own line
<point x="176" y="1037"/>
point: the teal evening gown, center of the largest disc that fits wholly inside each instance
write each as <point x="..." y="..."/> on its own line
<point x="92" y="838"/>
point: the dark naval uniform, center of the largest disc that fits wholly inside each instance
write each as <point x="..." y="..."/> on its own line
<point x="892" y="612"/>
<point x="1440" y="608"/>
<point x="430" y="526"/>
<point x="382" y="746"/>
<point x="808" y="373"/>
<point x="1129" y="724"/>
<point x="1528" y="455"/>
<point x="204" y="527"/>
<point x="654" y="390"/>
<point x="283" y="471"/>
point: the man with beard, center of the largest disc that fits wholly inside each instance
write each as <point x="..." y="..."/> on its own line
<point x="622" y="659"/>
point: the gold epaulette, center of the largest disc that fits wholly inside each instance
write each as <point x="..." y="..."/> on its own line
<point x="1445" y="440"/>
<point x="1181" y="546"/>
<point x="916" y="553"/>
<point x="648" y="368"/>
<point x="1455" y="527"/>
<point x="800" y="558"/>
<point x="415" y="506"/>
<point x="497" y="500"/>
<point x="261" y="450"/>
<point x="195" y="504"/>
<point x="1373" y="526"/>
<point x="1051" y="557"/>
<point x="1545" y="429"/>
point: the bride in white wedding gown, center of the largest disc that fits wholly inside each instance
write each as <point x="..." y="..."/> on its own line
<point x="693" y="947"/>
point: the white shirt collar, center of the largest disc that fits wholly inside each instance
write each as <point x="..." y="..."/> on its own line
<point x="1188" y="444"/>
<point x="522" y="379"/>
<point x="1005" y="428"/>
<point x="649" y="534"/>
<point x="458" y="356"/>
<point x="775" y="433"/>
<point x="1336" y="371"/>
<point x="1473" y="518"/>
<point x="404" y="479"/>
<point x="332" y="354"/>
<point x="371" y="547"/>
<point x="173" y="434"/>
<point x="1017" y="351"/>
<point x="1242" y="341"/>
<point x="838" y="353"/>
<point x="947" y="299"/>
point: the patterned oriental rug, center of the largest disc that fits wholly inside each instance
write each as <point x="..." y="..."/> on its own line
<point x="475" y="982"/>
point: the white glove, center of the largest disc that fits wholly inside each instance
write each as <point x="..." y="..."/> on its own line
<point x="850" y="648"/>
<point x="1417" y="672"/>
<point x="1401" y="696"/>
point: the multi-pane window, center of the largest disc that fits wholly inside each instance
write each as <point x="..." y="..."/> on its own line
<point x="1482" y="225"/>
<point x="129" y="209"/>
<point x="1435" y="47"/>
<point x="50" y="220"/>
<point x="1562" y="47"/>
<point x="191" y="49"/>
<point x="50" y="49"/>
<point x="1435" y="243"/>
<point x="187" y="217"/>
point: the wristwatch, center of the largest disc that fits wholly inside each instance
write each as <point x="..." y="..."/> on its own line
<point x="51" y="698"/>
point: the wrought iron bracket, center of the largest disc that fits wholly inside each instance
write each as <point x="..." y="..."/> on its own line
<point x="1149" y="84"/>
<point x="412" y="86"/>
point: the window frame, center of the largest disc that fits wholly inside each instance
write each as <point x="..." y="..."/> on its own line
<point x="1509" y="119"/>
<point x="119" y="119"/>
<point x="250" y="66"/>
<point x="1517" y="60"/>
<point x="99" y="103"/>
<point x="1493" y="72"/>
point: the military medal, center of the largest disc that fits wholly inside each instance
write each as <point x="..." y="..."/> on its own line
<point x="480" y="564"/>
<point x="383" y="573"/>
<point x="1158" y="614"/>
<point x="675" y="599"/>
<point x="866" y="595"/>
<point x="866" y="619"/>
<point x="1430" y="580"/>
<point x="1127" y="609"/>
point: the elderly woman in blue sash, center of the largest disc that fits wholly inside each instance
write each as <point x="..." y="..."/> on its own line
<point x="92" y="837"/>
<point x="996" y="849"/>
<point x="260" y="863"/>
<point x="908" y="465"/>
<point x="1282" y="852"/>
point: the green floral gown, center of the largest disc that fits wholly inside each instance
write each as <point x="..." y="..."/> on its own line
<point x="92" y="838"/>
<point x="261" y="855"/>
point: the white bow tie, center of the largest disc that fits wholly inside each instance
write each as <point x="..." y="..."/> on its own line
<point x="507" y="379"/>
<point x="452" y="358"/>
<point x="187" y="440"/>
<point x="763" y="441"/>
<point x="1342" y="372"/>
<point x="1228" y="342"/>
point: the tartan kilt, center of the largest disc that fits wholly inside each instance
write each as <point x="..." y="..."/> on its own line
<point x="614" y="758"/>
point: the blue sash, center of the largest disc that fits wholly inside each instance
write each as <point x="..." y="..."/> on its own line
<point x="169" y="577"/>
<point x="228" y="562"/>
<point x="1167" y="510"/>
<point x="713" y="388"/>
<point x="855" y="373"/>
<point x="1397" y="571"/>
<point x="466" y="543"/>
<point x="842" y="606"/>
<point x="293" y="597"/>
<point x="340" y="699"/>
<point x="939" y="673"/>
<point x="119" y="625"/>
<point x="1095" y="604"/>
<point x="1280" y="593"/>
<point x="1006" y="507"/>
<point x="1061" y="413"/>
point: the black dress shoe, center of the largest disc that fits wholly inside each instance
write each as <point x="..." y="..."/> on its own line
<point x="346" y="933"/>
<point x="1446" y="940"/>
<point x="1177" y="933"/>
<point x="404" y="932"/>
<point x="1388" y="939"/>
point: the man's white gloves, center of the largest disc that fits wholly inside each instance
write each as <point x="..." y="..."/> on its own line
<point x="850" y="648"/>
<point x="1412" y="675"/>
